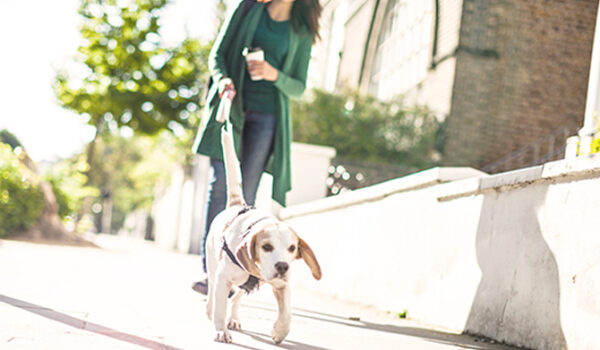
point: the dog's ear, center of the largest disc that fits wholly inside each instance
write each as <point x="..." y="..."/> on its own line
<point x="246" y="255"/>
<point x="305" y="253"/>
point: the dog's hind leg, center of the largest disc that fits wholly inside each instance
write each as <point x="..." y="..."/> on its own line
<point x="234" y="323"/>
<point x="210" y="303"/>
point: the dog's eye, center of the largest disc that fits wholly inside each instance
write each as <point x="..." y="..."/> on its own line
<point x="292" y="248"/>
<point x="267" y="247"/>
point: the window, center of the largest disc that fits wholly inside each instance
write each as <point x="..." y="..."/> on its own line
<point x="403" y="49"/>
<point x="336" y="45"/>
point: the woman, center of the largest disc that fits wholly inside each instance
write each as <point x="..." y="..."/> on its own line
<point x="285" y="30"/>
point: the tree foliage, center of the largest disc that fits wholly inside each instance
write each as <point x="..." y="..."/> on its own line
<point x="128" y="170"/>
<point x="124" y="76"/>
<point x="129" y="85"/>
<point x="10" y="139"/>
<point x="68" y="181"/>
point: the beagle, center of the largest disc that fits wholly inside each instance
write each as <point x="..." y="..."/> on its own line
<point x="247" y="247"/>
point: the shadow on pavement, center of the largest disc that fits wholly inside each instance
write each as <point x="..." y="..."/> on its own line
<point x="84" y="325"/>
<point x="463" y="340"/>
<point x="287" y="344"/>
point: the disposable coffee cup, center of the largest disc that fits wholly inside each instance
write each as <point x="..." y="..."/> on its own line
<point x="255" y="54"/>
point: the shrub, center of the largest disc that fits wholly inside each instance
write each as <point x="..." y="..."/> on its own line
<point x="595" y="145"/>
<point x="68" y="181"/>
<point x="363" y="128"/>
<point x="21" y="200"/>
<point x="375" y="141"/>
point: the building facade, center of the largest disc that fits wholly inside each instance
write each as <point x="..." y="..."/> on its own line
<point x="508" y="77"/>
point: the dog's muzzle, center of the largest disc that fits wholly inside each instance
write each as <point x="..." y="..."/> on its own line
<point x="282" y="268"/>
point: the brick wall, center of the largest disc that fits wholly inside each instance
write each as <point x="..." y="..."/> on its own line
<point x="521" y="74"/>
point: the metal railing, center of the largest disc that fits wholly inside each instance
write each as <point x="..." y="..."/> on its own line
<point x="546" y="149"/>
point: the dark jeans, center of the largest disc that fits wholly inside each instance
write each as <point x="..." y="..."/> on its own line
<point x="257" y="145"/>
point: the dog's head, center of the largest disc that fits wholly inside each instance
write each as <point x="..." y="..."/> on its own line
<point x="269" y="252"/>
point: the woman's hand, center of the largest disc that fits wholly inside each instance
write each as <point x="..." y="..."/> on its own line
<point x="226" y="84"/>
<point x="262" y="70"/>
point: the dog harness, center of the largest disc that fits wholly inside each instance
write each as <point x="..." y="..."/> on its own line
<point x="252" y="283"/>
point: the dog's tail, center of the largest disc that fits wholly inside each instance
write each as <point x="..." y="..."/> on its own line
<point x="235" y="194"/>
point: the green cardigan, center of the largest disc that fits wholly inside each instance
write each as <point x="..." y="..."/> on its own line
<point x="226" y="60"/>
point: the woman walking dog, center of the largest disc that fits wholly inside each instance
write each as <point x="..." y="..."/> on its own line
<point x="259" y="60"/>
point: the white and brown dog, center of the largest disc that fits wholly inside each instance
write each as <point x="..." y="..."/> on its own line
<point x="247" y="247"/>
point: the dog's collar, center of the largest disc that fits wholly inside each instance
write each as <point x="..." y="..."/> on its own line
<point x="249" y="228"/>
<point x="244" y="210"/>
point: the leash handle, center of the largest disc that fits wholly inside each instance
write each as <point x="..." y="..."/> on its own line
<point x="225" y="107"/>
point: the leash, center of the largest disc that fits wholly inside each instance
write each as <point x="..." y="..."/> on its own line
<point x="223" y="117"/>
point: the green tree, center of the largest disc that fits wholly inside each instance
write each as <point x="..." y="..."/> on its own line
<point x="124" y="79"/>
<point x="129" y="78"/>
<point x="128" y="170"/>
<point x="10" y="139"/>
<point x="69" y="181"/>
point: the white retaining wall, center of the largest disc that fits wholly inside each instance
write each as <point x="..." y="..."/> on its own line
<point x="514" y="256"/>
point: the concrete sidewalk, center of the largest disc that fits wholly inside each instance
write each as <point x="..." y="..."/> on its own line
<point x="129" y="294"/>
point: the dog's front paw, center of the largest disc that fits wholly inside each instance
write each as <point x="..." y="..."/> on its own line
<point x="234" y="325"/>
<point x="223" y="337"/>
<point x="279" y="332"/>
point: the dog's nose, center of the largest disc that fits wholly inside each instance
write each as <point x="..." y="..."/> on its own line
<point x="282" y="267"/>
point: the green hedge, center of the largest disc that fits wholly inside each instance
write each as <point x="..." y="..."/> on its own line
<point x="375" y="140"/>
<point x="21" y="200"/>
<point x="361" y="128"/>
